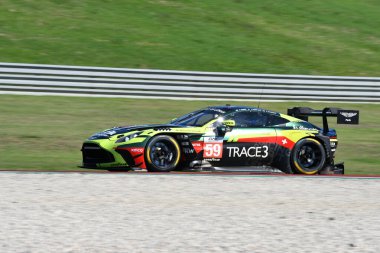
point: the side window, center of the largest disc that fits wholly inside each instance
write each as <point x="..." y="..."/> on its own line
<point x="274" y="120"/>
<point x="248" y="119"/>
<point x="204" y="119"/>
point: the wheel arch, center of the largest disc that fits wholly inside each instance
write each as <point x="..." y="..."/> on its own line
<point x="188" y="153"/>
<point x="319" y="139"/>
<point x="174" y="135"/>
<point x="325" y="141"/>
<point x="147" y="148"/>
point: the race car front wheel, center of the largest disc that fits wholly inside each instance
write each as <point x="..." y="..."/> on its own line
<point x="308" y="156"/>
<point x="162" y="154"/>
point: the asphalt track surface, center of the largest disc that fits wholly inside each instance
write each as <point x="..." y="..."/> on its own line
<point x="187" y="212"/>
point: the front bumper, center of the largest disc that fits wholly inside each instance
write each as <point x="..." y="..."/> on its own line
<point x="96" y="157"/>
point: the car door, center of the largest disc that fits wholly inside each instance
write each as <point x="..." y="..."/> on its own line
<point x="249" y="142"/>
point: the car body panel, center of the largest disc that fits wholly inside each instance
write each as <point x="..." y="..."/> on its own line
<point x="238" y="146"/>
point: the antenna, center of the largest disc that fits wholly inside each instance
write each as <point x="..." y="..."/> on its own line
<point x="261" y="94"/>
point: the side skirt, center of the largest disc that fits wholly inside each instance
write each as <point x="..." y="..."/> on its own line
<point x="205" y="166"/>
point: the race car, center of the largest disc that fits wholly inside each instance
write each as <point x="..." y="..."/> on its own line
<point x="229" y="137"/>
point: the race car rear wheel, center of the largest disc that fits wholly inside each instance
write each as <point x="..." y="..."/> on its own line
<point x="308" y="156"/>
<point x="162" y="154"/>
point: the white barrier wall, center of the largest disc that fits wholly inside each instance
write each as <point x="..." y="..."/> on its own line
<point x="34" y="79"/>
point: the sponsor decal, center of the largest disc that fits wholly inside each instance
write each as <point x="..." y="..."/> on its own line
<point x="259" y="152"/>
<point x="212" y="147"/>
<point x="303" y="128"/>
<point x="188" y="150"/>
<point x="110" y="132"/>
<point x="212" y="139"/>
<point x="349" y="114"/>
<point x="136" y="150"/>
<point x="198" y="146"/>
<point x="285" y="142"/>
<point x="212" y="159"/>
<point x="182" y="137"/>
<point x="137" y="155"/>
<point x="217" y="110"/>
<point x="348" y="117"/>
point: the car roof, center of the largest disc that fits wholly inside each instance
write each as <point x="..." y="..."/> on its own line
<point x="229" y="108"/>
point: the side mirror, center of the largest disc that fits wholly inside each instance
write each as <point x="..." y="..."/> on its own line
<point x="229" y="123"/>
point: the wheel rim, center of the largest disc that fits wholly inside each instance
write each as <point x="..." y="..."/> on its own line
<point x="309" y="157"/>
<point x="163" y="154"/>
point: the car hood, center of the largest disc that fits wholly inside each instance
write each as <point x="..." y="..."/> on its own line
<point x="106" y="134"/>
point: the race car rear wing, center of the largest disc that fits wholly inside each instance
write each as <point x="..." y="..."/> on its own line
<point x="343" y="116"/>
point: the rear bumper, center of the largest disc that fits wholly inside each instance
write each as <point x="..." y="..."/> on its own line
<point x="339" y="168"/>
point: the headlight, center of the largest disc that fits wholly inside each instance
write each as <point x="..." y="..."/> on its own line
<point x="128" y="137"/>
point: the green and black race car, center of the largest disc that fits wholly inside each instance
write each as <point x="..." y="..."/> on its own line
<point x="225" y="137"/>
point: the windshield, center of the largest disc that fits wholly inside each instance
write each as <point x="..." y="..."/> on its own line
<point x="197" y="118"/>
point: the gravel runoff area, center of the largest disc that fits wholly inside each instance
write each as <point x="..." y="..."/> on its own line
<point x="74" y="212"/>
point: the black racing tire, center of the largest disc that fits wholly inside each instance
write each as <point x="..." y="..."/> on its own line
<point x="308" y="157"/>
<point x="162" y="154"/>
